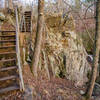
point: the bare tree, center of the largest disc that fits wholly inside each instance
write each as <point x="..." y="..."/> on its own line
<point x="6" y="3"/>
<point x="38" y="40"/>
<point x="77" y="4"/>
<point x="96" y="52"/>
<point x="10" y="4"/>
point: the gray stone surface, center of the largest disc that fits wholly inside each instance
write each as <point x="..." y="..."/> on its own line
<point x="2" y="16"/>
<point x="96" y="90"/>
<point x="28" y="94"/>
<point x="82" y="92"/>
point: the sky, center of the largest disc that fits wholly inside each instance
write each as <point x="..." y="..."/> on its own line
<point x="27" y="1"/>
<point x="30" y="1"/>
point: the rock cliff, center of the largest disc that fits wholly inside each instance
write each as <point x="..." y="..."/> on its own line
<point x="65" y="55"/>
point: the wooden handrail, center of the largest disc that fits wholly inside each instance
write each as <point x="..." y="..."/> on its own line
<point x="18" y="51"/>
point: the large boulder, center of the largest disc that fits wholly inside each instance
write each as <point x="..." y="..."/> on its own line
<point x="64" y="50"/>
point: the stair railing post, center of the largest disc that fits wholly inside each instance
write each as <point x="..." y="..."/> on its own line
<point x="18" y="52"/>
<point x="31" y="18"/>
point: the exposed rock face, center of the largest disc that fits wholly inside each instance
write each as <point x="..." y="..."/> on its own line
<point x="28" y="94"/>
<point x="64" y="50"/>
<point x="76" y="63"/>
<point x="68" y="52"/>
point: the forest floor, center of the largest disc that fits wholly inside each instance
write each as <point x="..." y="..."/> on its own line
<point x="43" y="89"/>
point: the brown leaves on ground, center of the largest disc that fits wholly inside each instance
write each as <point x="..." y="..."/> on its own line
<point x="43" y="89"/>
<point x="55" y="89"/>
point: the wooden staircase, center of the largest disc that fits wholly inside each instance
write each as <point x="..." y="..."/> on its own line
<point x="26" y="22"/>
<point x="10" y="67"/>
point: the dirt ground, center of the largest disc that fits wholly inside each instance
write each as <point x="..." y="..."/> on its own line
<point x="43" y="89"/>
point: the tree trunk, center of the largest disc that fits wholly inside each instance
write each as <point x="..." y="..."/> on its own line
<point x="6" y="3"/>
<point x="96" y="52"/>
<point x="60" y="5"/>
<point x="77" y="4"/>
<point x="10" y="4"/>
<point x="38" y="40"/>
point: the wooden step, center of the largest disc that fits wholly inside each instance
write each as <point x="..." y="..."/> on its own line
<point x="7" y="40"/>
<point x="26" y="31"/>
<point x="10" y="46"/>
<point x="7" y="31"/>
<point x="28" y="22"/>
<point x="4" y="53"/>
<point x="8" y="68"/>
<point x="27" y="12"/>
<point x="7" y="35"/>
<point x="27" y="18"/>
<point x="28" y="25"/>
<point x="7" y="60"/>
<point x="9" y="78"/>
<point x="16" y="87"/>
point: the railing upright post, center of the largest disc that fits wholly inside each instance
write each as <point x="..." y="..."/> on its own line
<point x="18" y="51"/>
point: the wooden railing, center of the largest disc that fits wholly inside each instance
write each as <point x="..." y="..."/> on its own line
<point x="18" y="51"/>
<point x="22" y="22"/>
